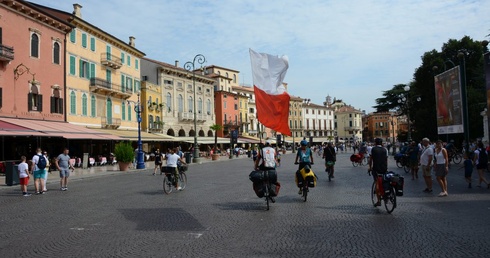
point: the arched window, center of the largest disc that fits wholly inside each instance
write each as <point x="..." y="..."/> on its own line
<point x="34" y="45"/>
<point x="208" y="107"/>
<point x="123" y="110"/>
<point x="92" y="106"/>
<point x="199" y="105"/>
<point x="84" y="104"/>
<point x="190" y="104"/>
<point x="180" y="101"/>
<point x="150" y="121"/>
<point x="234" y="78"/>
<point x="73" y="103"/>
<point x="56" y="53"/>
<point x="169" y="101"/>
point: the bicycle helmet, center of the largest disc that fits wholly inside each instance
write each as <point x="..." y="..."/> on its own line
<point x="378" y="141"/>
<point x="304" y="143"/>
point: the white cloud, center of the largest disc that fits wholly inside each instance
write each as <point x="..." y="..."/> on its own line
<point x="351" y="50"/>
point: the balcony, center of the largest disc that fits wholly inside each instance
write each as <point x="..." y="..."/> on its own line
<point x="155" y="126"/>
<point x="352" y="128"/>
<point x="108" y="88"/>
<point x="110" y="60"/>
<point x="6" y="53"/>
<point x="112" y="123"/>
<point x="189" y="116"/>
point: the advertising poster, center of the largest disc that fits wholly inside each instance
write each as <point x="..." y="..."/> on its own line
<point x="449" y="102"/>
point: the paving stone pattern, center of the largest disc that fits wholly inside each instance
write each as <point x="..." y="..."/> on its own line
<point x="218" y="215"/>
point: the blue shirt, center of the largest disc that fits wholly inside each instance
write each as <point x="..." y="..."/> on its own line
<point x="304" y="156"/>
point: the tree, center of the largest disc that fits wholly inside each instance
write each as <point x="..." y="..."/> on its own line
<point x="216" y="128"/>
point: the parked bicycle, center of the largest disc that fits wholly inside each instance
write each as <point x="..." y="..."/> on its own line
<point x="173" y="180"/>
<point x="455" y="156"/>
<point x="402" y="161"/>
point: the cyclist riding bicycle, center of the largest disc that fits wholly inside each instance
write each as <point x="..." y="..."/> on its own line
<point x="305" y="157"/>
<point x="330" y="157"/>
<point x="172" y="159"/>
<point x="378" y="164"/>
<point x="268" y="157"/>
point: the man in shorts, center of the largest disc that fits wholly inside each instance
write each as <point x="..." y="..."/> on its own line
<point x="426" y="156"/>
<point x="63" y="165"/>
<point x="24" y="176"/>
<point x="39" y="174"/>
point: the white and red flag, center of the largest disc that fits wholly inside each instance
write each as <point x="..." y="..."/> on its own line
<point x="271" y="98"/>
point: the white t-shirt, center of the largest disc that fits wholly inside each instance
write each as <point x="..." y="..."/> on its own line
<point x="269" y="157"/>
<point x="23" y="170"/>
<point x="172" y="160"/>
<point x="35" y="160"/>
<point x="424" y="157"/>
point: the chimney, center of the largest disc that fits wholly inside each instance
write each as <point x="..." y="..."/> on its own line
<point x="131" y="41"/>
<point x="77" y="10"/>
<point x="176" y="63"/>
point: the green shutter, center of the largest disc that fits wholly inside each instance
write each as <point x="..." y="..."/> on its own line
<point x="129" y="60"/>
<point x="122" y="57"/>
<point x="123" y="89"/>
<point x="84" y="40"/>
<point x="92" y="44"/>
<point x="129" y="112"/>
<point x="73" y="36"/>
<point x="92" y="71"/>
<point x="80" y="68"/>
<point x="123" y="111"/>
<point x="136" y="64"/>
<point x="72" y="65"/>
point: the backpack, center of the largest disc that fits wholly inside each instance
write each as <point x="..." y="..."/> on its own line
<point x="482" y="157"/>
<point x="41" y="164"/>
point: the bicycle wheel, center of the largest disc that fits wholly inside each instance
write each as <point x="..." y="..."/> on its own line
<point x="364" y="161"/>
<point x="167" y="185"/>
<point x="305" y="192"/>
<point x="390" y="200"/>
<point x="406" y="168"/>
<point x="266" y="194"/>
<point x="457" y="158"/>
<point x="374" y="199"/>
<point x="355" y="164"/>
<point x="399" y="164"/>
<point x="182" y="180"/>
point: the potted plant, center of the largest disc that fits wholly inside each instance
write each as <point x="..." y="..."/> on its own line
<point x="124" y="155"/>
<point x="215" y="128"/>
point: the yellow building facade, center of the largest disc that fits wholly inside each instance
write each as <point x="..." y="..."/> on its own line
<point x="153" y="108"/>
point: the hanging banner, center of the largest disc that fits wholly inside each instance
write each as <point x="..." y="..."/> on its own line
<point x="449" y="102"/>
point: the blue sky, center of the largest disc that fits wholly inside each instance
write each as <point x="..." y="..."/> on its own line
<point x="351" y="50"/>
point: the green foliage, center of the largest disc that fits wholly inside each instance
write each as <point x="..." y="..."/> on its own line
<point x="124" y="152"/>
<point x="215" y="128"/>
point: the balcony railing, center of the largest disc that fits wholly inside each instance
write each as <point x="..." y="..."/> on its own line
<point x="113" y="123"/>
<point x="189" y="116"/>
<point x="6" y="53"/>
<point x="110" y="60"/>
<point x="108" y="88"/>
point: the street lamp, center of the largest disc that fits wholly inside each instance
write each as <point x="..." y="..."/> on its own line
<point x="404" y="99"/>
<point x="462" y="55"/>
<point x="139" y="159"/>
<point x="19" y="71"/>
<point x="191" y="66"/>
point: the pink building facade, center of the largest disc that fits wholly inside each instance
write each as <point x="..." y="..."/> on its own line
<point x="32" y="69"/>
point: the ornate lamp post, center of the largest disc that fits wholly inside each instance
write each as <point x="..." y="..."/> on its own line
<point x="139" y="158"/>
<point x="191" y="66"/>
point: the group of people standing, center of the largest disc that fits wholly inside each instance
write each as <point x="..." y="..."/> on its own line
<point x="38" y="167"/>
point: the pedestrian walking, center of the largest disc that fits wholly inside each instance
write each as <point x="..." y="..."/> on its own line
<point x="39" y="163"/>
<point x="158" y="161"/>
<point x="441" y="167"/>
<point x="48" y="165"/>
<point x="63" y="165"/>
<point x="468" y="169"/>
<point x="425" y="164"/>
<point x="24" y="176"/>
<point x="480" y="159"/>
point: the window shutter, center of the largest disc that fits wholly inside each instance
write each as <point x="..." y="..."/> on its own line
<point x="39" y="102"/>
<point x="72" y="65"/>
<point x="29" y="102"/>
<point x="122" y="58"/>
<point x="123" y="83"/>
<point x="53" y="104"/>
<point x="84" y="40"/>
<point x="92" y="70"/>
<point x="92" y="44"/>
<point x="80" y="68"/>
<point x="73" y="35"/>
<point x="60" y="106"/>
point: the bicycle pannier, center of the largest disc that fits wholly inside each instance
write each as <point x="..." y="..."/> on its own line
<point x="259" y="189"/>
<point x="256" y="176"/>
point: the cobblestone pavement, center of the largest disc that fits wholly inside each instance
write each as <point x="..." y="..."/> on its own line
<point x="218" y="215"/>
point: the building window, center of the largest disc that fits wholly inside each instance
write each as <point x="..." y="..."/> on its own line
<point x="129" y="112"/>
<point x="199" y="105"/>
<point x="73" y="103"/>
<point x="92" y="106"/>
<point x="34" y="45"/>
<point x="180" y="102"/>
<point x="56" y="53"/>
<point x="150" y="121"/>
<point x="92" y="44"/>
<point x="129" y="60"/>
<point x="123" y="109"/>
<point x="87" y="70"/>
<point x="190" y="104"/>
<point x="208" y="107"/>
<point x="224" y="104"/>
<point x="169" y="101"/>
<point x="129" y="84"/>
<point x="236" y="106"/>
<point x="73" y="36"/>
<point x="84" y="40"/>
<point x="136" y="64"/>
<point x="84" y="104"/>
<point x="234" y="78"/>
<point x="73" y="62"/>
<point x="137" y="86"/>
<point x="122" y="58"/>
